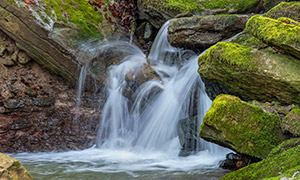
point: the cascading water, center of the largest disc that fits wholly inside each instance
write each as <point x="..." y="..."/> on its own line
<point x="137" y="139"/>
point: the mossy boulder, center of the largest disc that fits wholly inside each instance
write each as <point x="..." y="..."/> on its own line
<point x="285" y="9"/>
<point x="291" y="122"/>
<point x="276" y="33"/>
<point x="159" y="11"/>
<point x="12" y="169"/>
<point x="282" y="165"/>
<point x="242" y="127"/>
<point x="250" y="73"/>
<point x="204" y="31"/>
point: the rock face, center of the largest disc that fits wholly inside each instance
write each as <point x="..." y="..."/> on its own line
<point x="204" y="31"/>
<point x="49" y="34"/>
<point x="250" y="73"/>
<point x="242" y="127"/>
<point x="284" y="35"/>
<point x="159" y="11"/>
<point x="282" y="164"/>
<point x="11" y="168"/>
<point x="291" y="122"/>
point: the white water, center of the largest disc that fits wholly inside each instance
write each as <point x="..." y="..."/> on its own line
<point x="137" y="138"/>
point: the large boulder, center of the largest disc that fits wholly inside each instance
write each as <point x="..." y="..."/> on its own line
<point x="284" y="35"/>
<point x="12" y="169"/>
<point x="282" y="164"/>
<point x="250" y="73"/>
<point x="242" y="127"/>
<point x="159" y="11"/>
<point x="285" y="9"/>
<point x="291" y="122"/>
<point x="51" y="32"/>
<point x="204" y="31"/>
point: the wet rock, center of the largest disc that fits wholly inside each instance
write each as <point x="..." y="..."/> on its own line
<point x="148" y="34"/>
<point x="235" y="161"/>
<point x="291" y="123"/>
<point x="242" y="127"/>
<point x="243" y="71"/>
<point x="204" y="31"/>
<point x="12" y="169"/>
<point x="187" y="130"/>
<point x="287" y="38"/>
<point x="281" y="165"/>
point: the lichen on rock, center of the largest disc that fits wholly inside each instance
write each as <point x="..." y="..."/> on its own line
<point x="258" y="131"/>
<point x="291" y="122"/>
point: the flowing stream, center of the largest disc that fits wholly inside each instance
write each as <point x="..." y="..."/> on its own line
<point x="138" y="137"/>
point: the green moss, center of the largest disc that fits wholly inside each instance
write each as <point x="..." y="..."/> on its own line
<point x="287" y="163"/>
<point x="276" y="33"/>
<point x="288" y="21"/>
<point x="291" y="122"/>
<point x="285" y="9"/>
<point x="199" y="5"/>
<point x="80" y="12"/>
<point x="288" y="144"/>
<point x="247" y="39"/>
<point x="243" y="127"/>
<point x="230" y="53"/>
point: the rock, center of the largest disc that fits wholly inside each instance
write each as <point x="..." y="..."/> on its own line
<point x="243" y="71"/>
<point x="9" y="62"/>
<point x="235" y="161"/>
<point x="148" y="31"/>
<point x="276" y="33"/>
<point x="52" y="44"/>
<point x="284" y="9"/>
<point x="42" y="102"/>
<point x="23" y="58"/>
<point x="291" y="123"/>
<point x="204" y="31"/>
<point x="268" y="4"/>
<point x="279" y="166"/>
<point x="158" y="12"/>
<point x="12" y="169"/>
<point x="242" y="127"/>
<point x="13" y="104"/>
<point x="187" y="130"/>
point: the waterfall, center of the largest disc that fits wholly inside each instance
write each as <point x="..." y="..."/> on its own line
<point x="146" y="97"/>
<point x="147" y="121"/>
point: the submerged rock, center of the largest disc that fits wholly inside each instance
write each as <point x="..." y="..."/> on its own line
<point x="204" y="31"/>
<point x="250" y="73"/>
<point x="283" y="163"/>
<point x="276" y="33"/>
<point x="242" y="127"/>
<point x="291" y="122"/>
<point x="12" y="169"/>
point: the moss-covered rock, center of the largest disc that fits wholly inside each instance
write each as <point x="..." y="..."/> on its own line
<point x="283" y="164"/>
<point x="268" y="4"/>
<point x="285" y="9"/>
<point x="242" y="127"/>
<point x="250" y="74"/>
<point x="12" y="169"/>
<point x="291" y="122"/>
<point x="159" y="11"/>
<point x="204" y="31"/>
<point x="247" y="39"/>
<point x="276" y="33"/>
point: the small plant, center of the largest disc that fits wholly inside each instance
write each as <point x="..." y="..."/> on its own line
<point x="121" y="13"/>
